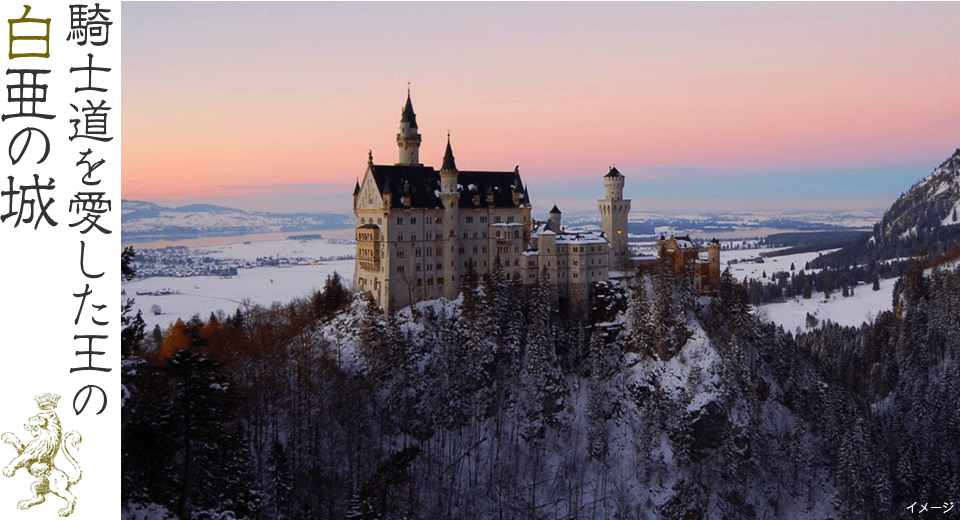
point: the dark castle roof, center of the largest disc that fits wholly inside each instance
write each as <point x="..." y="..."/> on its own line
<point x="422" y="185"/>
<point x="448" y="163"/>
<point x="613" y="172"/>
<point x="501" y="184"/>
<point x="555" y="209"/>
<point x="408" y="115"/>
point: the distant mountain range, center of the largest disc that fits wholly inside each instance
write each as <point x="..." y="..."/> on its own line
<point x="144" y="221"/>
<point x="924" y="220"/>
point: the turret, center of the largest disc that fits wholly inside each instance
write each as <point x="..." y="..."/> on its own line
<point x="713" y="261"/>
<point x="450" y="197"/>
<point x="408" y="140"/>
<point x="448" y="172"/>
<point x="614" y="211"/>
<point x="613" y="182"/>
<point x="555" y="219"/>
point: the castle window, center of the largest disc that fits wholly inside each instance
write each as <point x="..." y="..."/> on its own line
<point x="413" y="220"/>
<point x="498" y="234"/>
<point x="429" y="281"/>
<point x="483" y="219"/>
<point x="475" y="249"/>
<point x="509" y="218"/>
<point x="440" y="266"/>
<point x="516" y="233"/>
<point x="465" y="234"/>
<point x="576" y="275"/>
<point x="429" y="236"/>
<point x="484" y="234"/>
<point x="400" y="238"/>
<point x="419" y="268"/>
<point x="419" y="282"/>
<point x="516" y="262"/>
<point x="400" y="220"/>
<point x="400" y="253"/>
<point x="484" y="249"/>
<point x="439" y="252"/>
<point x="469" y="219"/>
<point x="429" y="251"/>
<point x="417" y="253"/>
<point x="460" y="250"/>
<point x="496" y="219"/>
<point x="429" y="267"/>
<point x="474" y="234"/>
<point x="379" y="221"/>
<point x="516" y="249"/>
<point x="400" y="268"/>
<point x="413" y="238"/>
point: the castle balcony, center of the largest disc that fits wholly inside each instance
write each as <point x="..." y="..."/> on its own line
<point x="368" y="247"/>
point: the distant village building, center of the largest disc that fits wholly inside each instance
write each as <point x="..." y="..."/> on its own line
<point x="418" y="229"/>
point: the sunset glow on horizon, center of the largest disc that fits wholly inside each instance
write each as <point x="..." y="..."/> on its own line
<point x="242" y="99"/>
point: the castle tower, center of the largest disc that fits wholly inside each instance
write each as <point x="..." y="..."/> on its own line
<point x="713" y="262"/>
<point x="555" y="219"/>
<point x="409" y="138"/>
<point x="450" y="196"/>
<point x="614" y="211"/>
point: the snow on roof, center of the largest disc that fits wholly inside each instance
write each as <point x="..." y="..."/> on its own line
<point x="580" y="238"/>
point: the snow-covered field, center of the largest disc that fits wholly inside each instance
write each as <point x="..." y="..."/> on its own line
<point x="863" y="306"/>
<point x="308" y="249"/>
<point x="261" y="285"/>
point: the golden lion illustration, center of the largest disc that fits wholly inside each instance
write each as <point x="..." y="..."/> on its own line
<point x="37" y="457"/>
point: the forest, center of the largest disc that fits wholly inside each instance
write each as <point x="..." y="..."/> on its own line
<point x="661" y="403"/>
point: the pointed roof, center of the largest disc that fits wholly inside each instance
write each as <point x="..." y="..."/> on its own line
<point x="408" y="115"/>
<point x="356" y="189"/>
<point x="613" y="172"/>
<point x="449" y="165"/>
<point x="555" y="209"/>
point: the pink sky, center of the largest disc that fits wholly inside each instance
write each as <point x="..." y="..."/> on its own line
<point x="236" y="99"/>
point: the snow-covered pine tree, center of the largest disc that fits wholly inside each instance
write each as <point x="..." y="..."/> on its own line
<point x="543" y="380"/>
<point x="639" y="320"/>
<point x="280" y="480"/>
<point x="597" y="431"/>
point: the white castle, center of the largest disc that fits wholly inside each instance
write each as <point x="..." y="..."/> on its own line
<point x="418" y="229"/>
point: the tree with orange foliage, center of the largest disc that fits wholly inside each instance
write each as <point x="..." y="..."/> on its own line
<point x="212" y="334"/>
<point x="174" y="340"/>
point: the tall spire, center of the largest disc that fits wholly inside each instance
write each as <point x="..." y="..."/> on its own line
<point x="408" y="115"/>
<point x="408" y="139"/>
<point x="449" y="164"/>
